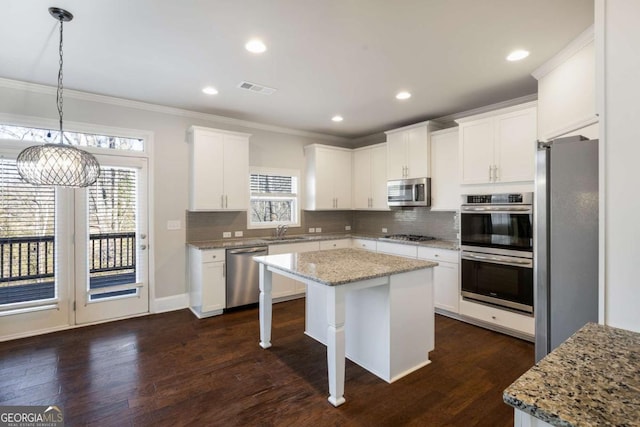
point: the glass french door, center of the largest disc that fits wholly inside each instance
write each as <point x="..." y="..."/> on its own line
<point x="111" y="256"/>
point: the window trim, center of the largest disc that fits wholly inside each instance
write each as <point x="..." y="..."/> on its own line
<point x="275" y="171"/>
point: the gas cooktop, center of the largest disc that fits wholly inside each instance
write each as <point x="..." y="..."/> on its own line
<point x="409" y="237"/>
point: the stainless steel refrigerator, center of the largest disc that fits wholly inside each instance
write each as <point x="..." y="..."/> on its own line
<point x="566" y="240"/>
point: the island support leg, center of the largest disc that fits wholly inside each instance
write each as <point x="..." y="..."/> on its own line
<point x="265" y="307"/>
<point x="336" y="343"/>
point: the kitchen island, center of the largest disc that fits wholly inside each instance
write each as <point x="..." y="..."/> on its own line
<point x="592" y="379"/>
<point x="375" y="309"/>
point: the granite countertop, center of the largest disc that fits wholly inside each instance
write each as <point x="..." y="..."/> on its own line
<point x="257" y="241"/>
<point x="592" y="379"/>
<point x="339" y="266"/>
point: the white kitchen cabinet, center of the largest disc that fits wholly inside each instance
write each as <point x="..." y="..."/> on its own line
<point x="446" y="282"/>
<point x="445" y="176"/>
<point x="399" y="249"/>
<point x="366" y="244"/>
<point x="503" y="319"/>
<point x="566" y="89"/>
<point x="370" y="178"/>
<point x="335" y="244"/>
<point x="408" y="151"/>
<point x="219" y="169"/>
<point x="284" y="288"/>
<point x="499" y="146"/>
<point x="328" y="177"/>
<point x="207" y="288"/>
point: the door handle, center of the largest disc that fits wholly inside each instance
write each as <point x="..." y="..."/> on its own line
<point x="143" y="247"/>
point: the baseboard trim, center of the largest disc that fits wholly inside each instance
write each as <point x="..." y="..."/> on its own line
<point x="172" y="303"/>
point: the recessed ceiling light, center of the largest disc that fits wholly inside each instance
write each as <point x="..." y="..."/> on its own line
<point x="403" y="95"/>
<point x="210" y="90"/>
<point x="517" y="55"/>
<point x="255" y="46"/>
<point x="337" y="118"/>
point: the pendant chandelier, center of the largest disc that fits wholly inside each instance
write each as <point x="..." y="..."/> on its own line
<point x="58" y="164"/>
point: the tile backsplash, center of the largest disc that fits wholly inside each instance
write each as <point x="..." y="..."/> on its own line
<point x="202" y="226"/>
<point x="442" y="225"/>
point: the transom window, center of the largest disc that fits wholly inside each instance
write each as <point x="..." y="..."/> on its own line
<point x="274" y="198"/>
<point x="19" y="133"/>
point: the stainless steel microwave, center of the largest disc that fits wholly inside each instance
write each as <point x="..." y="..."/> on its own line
<point x="409" y="192"/>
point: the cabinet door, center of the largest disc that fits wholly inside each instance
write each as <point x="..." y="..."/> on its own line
<point x="236" y="172"/>
<point x="515" y="146"/>
<point x="379" y="178"/>
<point x="445" y="286"/>
<point x="362" y="179"/>
<point x="324" y="176"/>
<point x="213" y="286"/>
<point x="445" y="175"/>
<point x="206" y="174"/>
<point x="476" y="152"/>
<point x="417" y="153"/>
<point x="396" y="155"/>
<point x="341" y="177"/>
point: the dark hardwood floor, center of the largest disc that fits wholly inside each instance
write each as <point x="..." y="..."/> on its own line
<point x="173" y="369"/>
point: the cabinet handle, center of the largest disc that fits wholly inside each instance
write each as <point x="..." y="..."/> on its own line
<point x="226" y="201"/>
<point x="495" y="173"/>
<point x="224" y="270"/>
<point x="222" y="201"/>
<point x="490" y="174"/>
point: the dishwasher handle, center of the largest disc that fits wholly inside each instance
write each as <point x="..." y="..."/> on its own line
<point x="247" y="250"/>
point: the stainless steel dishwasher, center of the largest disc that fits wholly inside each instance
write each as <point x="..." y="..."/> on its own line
<point x="243" y="277"/>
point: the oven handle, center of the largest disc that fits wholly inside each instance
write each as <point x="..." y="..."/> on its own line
<point x="496" y="209"/>
<point x="497" y="259"/>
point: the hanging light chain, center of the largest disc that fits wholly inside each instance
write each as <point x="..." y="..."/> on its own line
<point x="59" y="92"/>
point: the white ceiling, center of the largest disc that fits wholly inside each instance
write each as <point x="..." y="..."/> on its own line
<point x="324" y="57"/>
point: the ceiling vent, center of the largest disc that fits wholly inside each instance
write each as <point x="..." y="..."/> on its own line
<point x="252" y="87"/>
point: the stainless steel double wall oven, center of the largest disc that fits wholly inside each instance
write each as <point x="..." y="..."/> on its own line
<point x="497" y="250"/>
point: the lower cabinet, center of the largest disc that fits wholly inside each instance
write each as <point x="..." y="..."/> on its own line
<point x="207" y="296"/>
<point x="369" y="245"/>
<point x="282" y="287"/>
<point x="521" y="324"/>
<point x="446" y="283"/>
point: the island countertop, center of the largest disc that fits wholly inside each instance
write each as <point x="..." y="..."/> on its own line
<point x="340" y="266"/>
<point x="592" y="379"/>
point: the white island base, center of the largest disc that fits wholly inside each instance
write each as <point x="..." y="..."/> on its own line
<point x="382" y="319"/>
<point x="389" y="323"/>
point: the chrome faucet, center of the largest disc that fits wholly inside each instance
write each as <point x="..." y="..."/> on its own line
<point x="281" y="230"/>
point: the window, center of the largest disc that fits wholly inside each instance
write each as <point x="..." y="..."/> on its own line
<point x="19" y="133"/>
<point x="274" y="198"/>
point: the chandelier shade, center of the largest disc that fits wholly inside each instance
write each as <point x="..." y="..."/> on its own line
<point x="59" y="165"/>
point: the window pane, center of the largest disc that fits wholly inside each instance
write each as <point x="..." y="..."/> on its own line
<point x="112" y="230"/>
<point x="27" y="252"/>
<point x="270" y="184"/>
<point x="72" y="138"/>
<point x="272" y="211"/>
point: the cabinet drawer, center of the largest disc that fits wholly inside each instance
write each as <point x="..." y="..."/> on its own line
<point x="212" y="255"/>
<point x="369" y="245"/>
<point x="435" y="254"/>
<point x="399" y="249"/>
<point x="335" y="244"/>
<point x="506" y="319"/>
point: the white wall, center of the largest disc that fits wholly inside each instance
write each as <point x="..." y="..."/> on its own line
<point x="618" y="64"/>
<point x="268" y="148"/>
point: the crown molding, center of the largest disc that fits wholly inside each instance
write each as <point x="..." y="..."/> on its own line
<point x="139" y="105"/>
<point x="489" y="108"/>
<point x="586" y="37"/>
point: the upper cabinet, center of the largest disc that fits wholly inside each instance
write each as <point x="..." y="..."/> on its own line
<point x="408" y="151"/>
<point x="566" y="90"/>
<point x="445" y="187"/>
<point x="219" y="169"/>
<point x="328" y="177"/>
<point x="370" y="177"/>
<point x="498" y="146"/>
